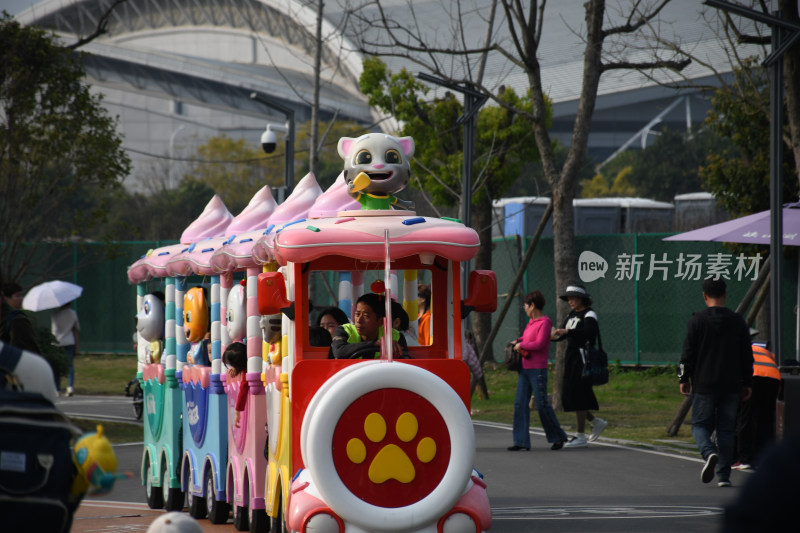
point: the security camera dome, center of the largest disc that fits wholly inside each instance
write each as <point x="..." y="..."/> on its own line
<point x="268" y="141"/>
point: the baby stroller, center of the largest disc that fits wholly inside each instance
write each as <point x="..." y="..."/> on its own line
<point x="134" y="389"/>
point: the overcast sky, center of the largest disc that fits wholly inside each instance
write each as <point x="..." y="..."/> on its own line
<point x="15" y="6"/>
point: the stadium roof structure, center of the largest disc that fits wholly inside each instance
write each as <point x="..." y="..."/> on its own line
<point x="179" y="71"/>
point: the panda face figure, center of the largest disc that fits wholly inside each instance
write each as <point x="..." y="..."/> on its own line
<point x="236" y="314"/>
<point x="150" y="318"/>
<point x="195" y="314"/>
<point x="383" y="158"/>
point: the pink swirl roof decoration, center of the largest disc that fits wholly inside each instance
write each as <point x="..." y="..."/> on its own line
<point x="237" y="253"/>
<point x="362" y="237"/>
<point x="298" y="203"/>
<point x="256" y="215"/>
<point x="198" y="258"/>
<point x="294" y="209"/>
<point x="335" y="199"/>
<point x="211" y="223"/>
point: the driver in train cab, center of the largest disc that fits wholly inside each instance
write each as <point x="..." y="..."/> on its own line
<point x="362" y="339"/>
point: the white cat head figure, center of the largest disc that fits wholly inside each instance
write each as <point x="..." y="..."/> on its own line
<point x="376" y="166"/>
<point x="150" y="319"/>
<point x="236" y="314"/>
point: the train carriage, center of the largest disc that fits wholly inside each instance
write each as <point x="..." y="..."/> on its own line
<point x="324" y="444"/>
<point x="382" y="445"/>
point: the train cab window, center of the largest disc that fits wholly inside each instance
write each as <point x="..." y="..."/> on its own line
<point x="334" y="283"/>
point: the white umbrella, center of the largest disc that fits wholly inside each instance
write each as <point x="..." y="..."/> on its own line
<point x="51" y="295"/>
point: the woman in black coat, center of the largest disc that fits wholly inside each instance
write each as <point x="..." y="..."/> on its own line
<point x="579" y="329"/>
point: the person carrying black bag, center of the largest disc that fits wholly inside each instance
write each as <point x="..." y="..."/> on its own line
<point x="577" y="395"/>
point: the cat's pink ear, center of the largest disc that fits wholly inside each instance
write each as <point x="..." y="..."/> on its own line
<point x="407" y="143"/>
<point x="345" y="143"/>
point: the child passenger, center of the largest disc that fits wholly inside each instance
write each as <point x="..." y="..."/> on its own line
<point x="235" y="358"/>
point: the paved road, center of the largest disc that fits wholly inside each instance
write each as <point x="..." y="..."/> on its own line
<point x="604" y="488"/>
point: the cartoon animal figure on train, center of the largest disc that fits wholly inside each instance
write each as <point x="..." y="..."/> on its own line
<point x="150" y="325"/>
<point x="376" y="166"/>
<point x="195" y="325"/>
<point x="236" y="314"/>
<point x="96" y="465"/>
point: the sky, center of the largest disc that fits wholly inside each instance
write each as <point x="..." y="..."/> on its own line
<point x="15" y="6"/>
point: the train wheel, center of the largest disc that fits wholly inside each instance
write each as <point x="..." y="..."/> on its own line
<point x="258" y="521"/>
<point x="155" y="498"/>
<point x="217" y="510"/>
<point x="138" y="401"/>
<point x="173" y="498"/>
<point x="197" y="505"/>
<point x="240" y="519"/>
<point x="277" y="524"/>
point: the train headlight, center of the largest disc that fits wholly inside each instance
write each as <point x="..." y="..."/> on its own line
<point x="323" y="522"/>
<point x="459" y="523"/>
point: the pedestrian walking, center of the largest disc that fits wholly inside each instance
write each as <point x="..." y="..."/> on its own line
<point x="716" y="369"/>
<point x="534" y="347"/>
<point x="580" y="329"/>
<point x="66" y="329"/>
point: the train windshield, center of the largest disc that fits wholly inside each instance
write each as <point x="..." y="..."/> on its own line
<point x="420" y="308"/>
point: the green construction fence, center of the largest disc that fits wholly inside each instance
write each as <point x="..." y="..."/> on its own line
<point x="644" y="289"/>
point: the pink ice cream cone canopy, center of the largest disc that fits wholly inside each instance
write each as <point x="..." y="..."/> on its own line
<point x="198" y="258"/>
<point x="335" y="199"/>
<point x="295" y="208"/>
<point x="212" y="222"/>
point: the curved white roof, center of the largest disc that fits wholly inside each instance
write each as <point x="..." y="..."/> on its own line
<point x="179" y="71"/>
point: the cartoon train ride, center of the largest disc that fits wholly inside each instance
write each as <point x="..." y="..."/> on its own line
<point x="322" y="442"/>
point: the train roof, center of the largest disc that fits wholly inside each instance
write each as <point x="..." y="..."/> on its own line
<point x="361" y="235"/>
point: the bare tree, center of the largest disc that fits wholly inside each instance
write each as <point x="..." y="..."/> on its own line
<point x="606" y="36"/>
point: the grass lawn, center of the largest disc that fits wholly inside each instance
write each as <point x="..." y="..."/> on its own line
<point x="638" y="404"/>
<point x="102" y="374"/>
<point x="106" y="374"/>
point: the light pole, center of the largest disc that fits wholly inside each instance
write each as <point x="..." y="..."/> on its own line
<point x="785" y="34"/>
<point x="473" y="100"/>
<point x="268" y="135"/>
<point x="172" y="150"/>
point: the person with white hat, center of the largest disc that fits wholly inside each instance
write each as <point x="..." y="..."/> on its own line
<point x="579" y="329"/>
<point x="174" y="522"/>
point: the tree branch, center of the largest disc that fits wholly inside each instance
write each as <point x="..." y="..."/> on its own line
<point x="102" y="27"/>
<point x="646" y="65"/>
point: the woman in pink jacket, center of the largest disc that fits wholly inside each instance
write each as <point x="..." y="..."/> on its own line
<point x="534" y="346"/>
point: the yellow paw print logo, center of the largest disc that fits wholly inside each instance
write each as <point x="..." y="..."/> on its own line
<point x="391" y="461"/>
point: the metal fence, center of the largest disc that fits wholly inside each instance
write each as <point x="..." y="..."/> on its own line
<point x="644" y="289"/>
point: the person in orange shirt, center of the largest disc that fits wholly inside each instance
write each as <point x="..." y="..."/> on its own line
<point x="755" y="420"/>
<point x="424" y="321"/>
